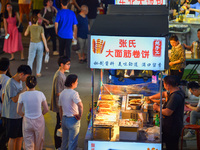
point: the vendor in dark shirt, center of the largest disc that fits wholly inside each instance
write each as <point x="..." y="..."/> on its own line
<point x="172" y="112"/>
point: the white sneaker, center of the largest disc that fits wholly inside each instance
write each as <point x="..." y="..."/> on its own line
<point x="55" y="53"/>
<point x="189" y="136"/>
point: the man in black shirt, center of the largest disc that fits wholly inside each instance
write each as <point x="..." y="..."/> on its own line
<point x="172" y="112"/>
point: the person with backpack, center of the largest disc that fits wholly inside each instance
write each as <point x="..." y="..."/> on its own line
<point x="47" y="15"/>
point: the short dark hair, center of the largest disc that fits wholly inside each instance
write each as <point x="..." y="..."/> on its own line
<point x="193" y="85"/>
<point x="31" y="82"/>
<point x="173" y="38"/>
<point x="63" y="60"/>
<point x="70" y="79"/>
<point x="65" y="2"/>
<point x="172" y="80"/>
<point x="34" y="19"/>
<point x="45" y="2"/>
<point x="25" y="69"/>
<point x="198" y="30"/>
<point x="4" y="64"/>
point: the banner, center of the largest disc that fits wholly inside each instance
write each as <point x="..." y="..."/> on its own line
<point x="104" y="145"/>
<point x="140" y="2"/>
<point x="134" y="53"/>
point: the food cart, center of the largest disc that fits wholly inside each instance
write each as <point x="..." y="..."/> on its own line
<point x="130" y="40"/>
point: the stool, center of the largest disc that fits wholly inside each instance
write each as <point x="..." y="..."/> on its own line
<point x="193" y="127"/>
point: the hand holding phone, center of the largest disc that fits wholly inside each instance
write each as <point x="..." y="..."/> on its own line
<point x="7" y="36"/>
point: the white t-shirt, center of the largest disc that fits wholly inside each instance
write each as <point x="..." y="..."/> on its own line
<point x="69" y="99"/>
<point x="24" y="1"/>
<point x="32" y="102"/>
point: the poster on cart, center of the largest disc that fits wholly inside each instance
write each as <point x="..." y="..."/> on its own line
<point x="135" y="53"/>
<point x="104" y="145"/>
<point x="140" y="2"/>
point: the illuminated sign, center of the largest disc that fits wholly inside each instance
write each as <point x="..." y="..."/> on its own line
<point x="104" y="145"/>
<point x="119" y="52"/>
<point x="140" y="2"/>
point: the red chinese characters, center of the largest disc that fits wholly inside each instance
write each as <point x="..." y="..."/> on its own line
<point x="122" y="2"/>
<point x="136" y="54"/>
<point x="159" y="2"/>
<point x="118" y="53"/>
<point x="131" y="2"/>
<point x="92" y="146"/>
<point x="122" y="43"/>
<point x="140" y="1"/>
<point x="132" y="43"/>
<point x="109" y="53"/>
<point x="150" y="2"/>
<point x="157" y="46"/>
<point x="145" y="54"/>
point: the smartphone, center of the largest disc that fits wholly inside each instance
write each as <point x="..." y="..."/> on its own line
<point x="30" y="23"/>
<point x="7" y="36"/>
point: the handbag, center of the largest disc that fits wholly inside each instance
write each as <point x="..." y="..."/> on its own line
<point x="76" y="47"/>
<point x="20" y="28"/>
<point x="39" y="22"/>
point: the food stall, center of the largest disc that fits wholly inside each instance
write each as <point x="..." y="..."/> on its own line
<point x="123" y="119"/>
<point x="185" y="30"/>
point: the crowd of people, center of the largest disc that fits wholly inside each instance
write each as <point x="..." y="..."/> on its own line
<point x="23" y="108"/>
<point x="65" y="21"/>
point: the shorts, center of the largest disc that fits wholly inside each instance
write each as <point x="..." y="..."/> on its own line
<point x="24" y="9"/>
<point x="14" y="128"/>
<point x="83" y="45"/>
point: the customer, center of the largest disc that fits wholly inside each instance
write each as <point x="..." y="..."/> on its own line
<point x="3" y="80"/>
<point x="13" y="120"/>
<point x="194" y="88"/>
<point x="83" y="28"/>
<point x="24" y="8"/>
<point x="172" y="112"/>
<point x="93" y="6"/>
<point x="36" y="46"/>
<point x="66" y="29"/>
<point x="71" y="110"/>
<point x="37" y="5"/>
<point x="33" y="119"/>
<point x="14" y="42"/>
<point x="177" y="58"/>
<point x="47" y="14"/>
<point x="3" y="77"/>
<point x="57" y="87"/>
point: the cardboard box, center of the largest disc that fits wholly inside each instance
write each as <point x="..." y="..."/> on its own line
<point x="128" y="133"/>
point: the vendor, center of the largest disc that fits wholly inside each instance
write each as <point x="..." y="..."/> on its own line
<point x="177" y="58"/>
<point x="194" y="7"/>
<point x="172" y="112"/>
<point x="198" y="41"/>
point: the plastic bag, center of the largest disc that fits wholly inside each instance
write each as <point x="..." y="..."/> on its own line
<point x="46" y="59"/>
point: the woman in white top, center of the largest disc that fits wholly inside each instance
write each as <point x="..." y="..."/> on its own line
<point x="33" y="121"/>
<point x="71" y="110"/>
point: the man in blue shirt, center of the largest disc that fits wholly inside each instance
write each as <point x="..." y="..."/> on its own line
<point x="66" y="28"/>
<point x="194" y="7"/>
